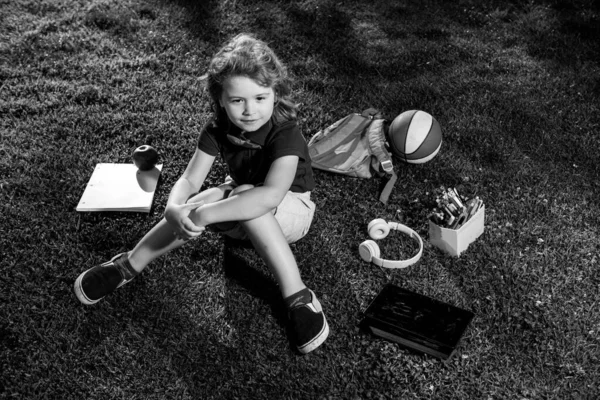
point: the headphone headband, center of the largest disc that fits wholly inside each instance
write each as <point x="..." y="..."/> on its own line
<point x="379" y="229"/>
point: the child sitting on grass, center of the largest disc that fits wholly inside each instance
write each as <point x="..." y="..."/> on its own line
<point x="265" y="198"/>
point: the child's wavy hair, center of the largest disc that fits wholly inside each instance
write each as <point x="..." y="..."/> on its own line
<point x="244" y="55"/>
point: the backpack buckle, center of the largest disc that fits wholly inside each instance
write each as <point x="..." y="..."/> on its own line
<point x="371" y="113"/>
<point x="387" y="166"/>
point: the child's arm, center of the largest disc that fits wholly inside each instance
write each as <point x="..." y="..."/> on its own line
<point x="255" y="202"/>
<point x="177" y="211"/>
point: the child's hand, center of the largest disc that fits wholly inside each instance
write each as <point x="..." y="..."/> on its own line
<point x="178" y="216"/>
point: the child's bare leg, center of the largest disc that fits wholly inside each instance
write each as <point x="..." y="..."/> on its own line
<point x="161" y="238"/>
<point x="270" y="243"/>
<point x="307" y="320"/>
<point x="94" y="284"/>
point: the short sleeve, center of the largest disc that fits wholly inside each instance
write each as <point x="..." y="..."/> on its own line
<point x="288" y="141"/>
<point x="207" y="142"/>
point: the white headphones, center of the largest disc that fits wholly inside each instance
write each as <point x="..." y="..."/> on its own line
<point x="379" y="229"/>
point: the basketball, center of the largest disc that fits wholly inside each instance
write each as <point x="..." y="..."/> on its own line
<point x="415" y="137"/>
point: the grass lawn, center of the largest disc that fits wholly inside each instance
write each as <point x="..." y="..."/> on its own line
<point x="515" y="87"/>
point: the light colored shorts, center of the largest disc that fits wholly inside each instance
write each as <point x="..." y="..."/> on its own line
<point x="294" y="214"/>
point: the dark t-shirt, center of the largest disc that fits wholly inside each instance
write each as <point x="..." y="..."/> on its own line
<point x="250" y="166"/>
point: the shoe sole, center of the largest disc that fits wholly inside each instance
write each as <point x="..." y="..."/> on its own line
<point x="322" y="336"/>
<point x="317" y="341"/>
<point x="79" y="292"/>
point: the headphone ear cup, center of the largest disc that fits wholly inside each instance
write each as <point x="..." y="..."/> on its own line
<point x="369" y="250"/>
<point x="378" y="229"/>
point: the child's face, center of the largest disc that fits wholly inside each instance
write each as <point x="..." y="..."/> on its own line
<point x="248" y="104"/>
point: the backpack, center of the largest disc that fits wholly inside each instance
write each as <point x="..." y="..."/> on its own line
<point x="355" y="146"/>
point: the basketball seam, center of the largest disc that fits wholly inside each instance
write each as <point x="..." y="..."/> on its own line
<point x="425" y="141"/>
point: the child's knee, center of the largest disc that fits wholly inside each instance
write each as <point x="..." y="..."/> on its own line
<point x="240" y="189"/>
<point x="195" y="198"/>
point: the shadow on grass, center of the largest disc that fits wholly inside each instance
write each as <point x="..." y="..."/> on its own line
<point x="390" y="45"/>
<point x="554" y="34"/>
<point x="208" y="354"/>
<point x="241" y="272"/>
<point x="564" y="31"/>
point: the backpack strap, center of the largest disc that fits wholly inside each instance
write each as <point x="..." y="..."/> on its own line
<point x="376" y="139"/>
<point x="387" y="189"/>
<point x="376" y="136"/>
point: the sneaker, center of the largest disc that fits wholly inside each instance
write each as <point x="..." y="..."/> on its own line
<point x="309" y="325"/>
<point x="95" y="283"/>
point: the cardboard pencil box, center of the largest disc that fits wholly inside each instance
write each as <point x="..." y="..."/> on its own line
<point x="416" y="321"/>
<point x="455" y="241"/>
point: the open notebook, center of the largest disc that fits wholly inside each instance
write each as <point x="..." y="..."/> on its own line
<point x="119" y="187"/>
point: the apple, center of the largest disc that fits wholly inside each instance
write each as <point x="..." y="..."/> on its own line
<point x="145" y="157"/>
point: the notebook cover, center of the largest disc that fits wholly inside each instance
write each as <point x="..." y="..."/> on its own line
<point x="416" y="321"/>
<point x="120" y="187"/>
